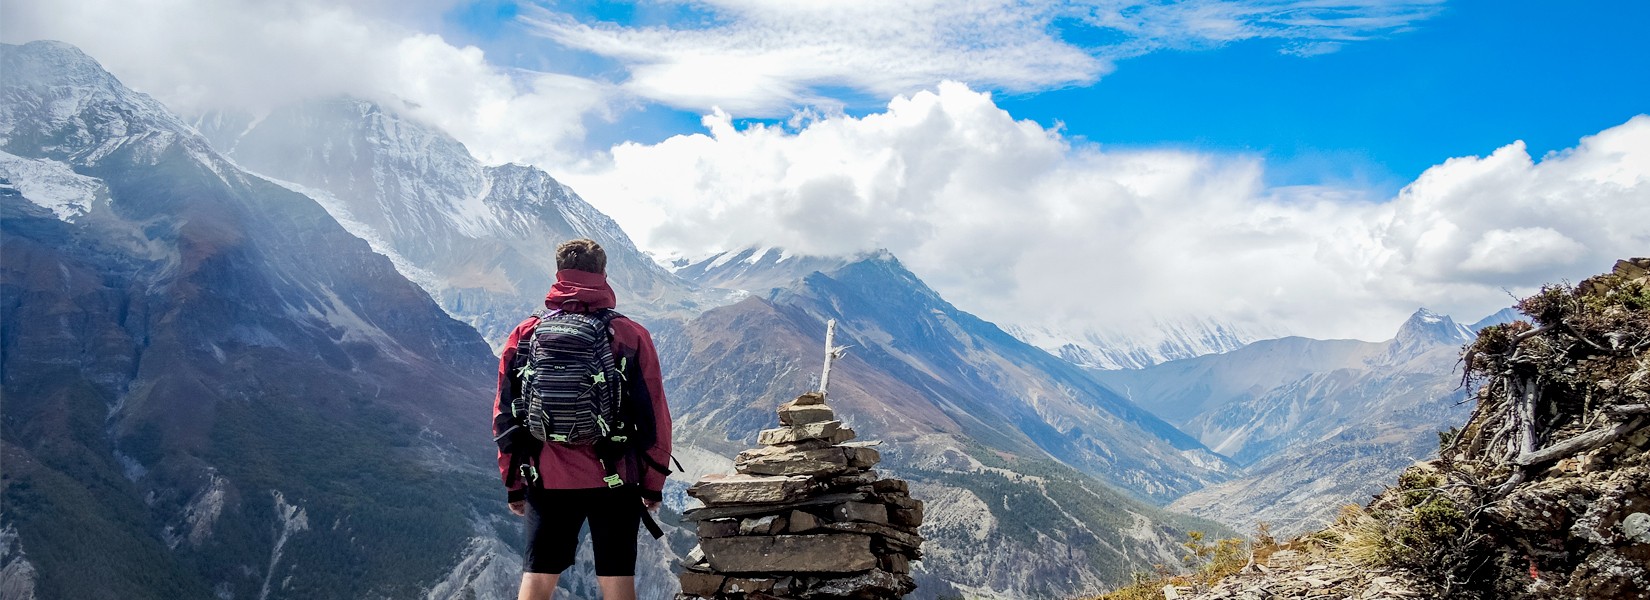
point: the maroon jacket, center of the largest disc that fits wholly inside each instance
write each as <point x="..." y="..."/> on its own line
<point x="575" y="467"/>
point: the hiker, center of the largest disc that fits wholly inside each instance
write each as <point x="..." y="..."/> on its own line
<point x="582" y="428"/>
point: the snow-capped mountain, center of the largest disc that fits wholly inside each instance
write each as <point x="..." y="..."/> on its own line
<point x="1315" y="422"/>
<point x="479" y="238"/>
<point x="207" y="378"/>
<point x="1501" y="317"/>
<point x="1145" y="342"/>
<point x="758" y="270"/>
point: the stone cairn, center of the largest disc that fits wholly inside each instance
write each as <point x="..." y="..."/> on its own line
<point x="805" y="517"/>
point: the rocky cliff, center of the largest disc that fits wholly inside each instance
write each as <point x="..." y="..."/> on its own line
<point x="1544" y="492"/>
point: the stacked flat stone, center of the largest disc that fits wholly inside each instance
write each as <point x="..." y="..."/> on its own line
<point x="805" y="517"/>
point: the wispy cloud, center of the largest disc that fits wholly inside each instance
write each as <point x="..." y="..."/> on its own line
<point x="758" y="58"/>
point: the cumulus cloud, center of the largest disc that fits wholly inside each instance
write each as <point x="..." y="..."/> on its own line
<point x="1020" y="224"/>
<point x="197" y="55"/>
<point x="761" y="58"/>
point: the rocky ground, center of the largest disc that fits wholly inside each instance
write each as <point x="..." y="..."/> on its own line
<point x="1543" y="493"/>
<point x="1295" y="574"/>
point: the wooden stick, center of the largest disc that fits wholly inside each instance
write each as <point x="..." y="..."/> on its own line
<point x="830" y="354"/>
<point x="1597" y="438"/>
<point x="1627" y="409"/>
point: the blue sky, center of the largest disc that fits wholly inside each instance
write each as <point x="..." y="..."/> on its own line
<point x="1373" y="113"/>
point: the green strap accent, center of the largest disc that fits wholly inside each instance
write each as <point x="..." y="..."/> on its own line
<point x="599" y="377"/>
<point x="613" y="481"/>
<point x="558" y="438"/>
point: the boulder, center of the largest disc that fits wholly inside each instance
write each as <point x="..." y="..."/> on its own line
<point x="853" y="480"/>
<point x="831" y="431"/>
<point x="704" y="585"/>
<point x="804" y="415"/>
<point x="743" y="510"/>
<point x="801" y="522"/>
<point x="860" y="511"/>
<point x="908" y="518"/>
<point x="810" y="398"/>
<point x="828" y="553"/>
<point x="891" y="486"/>
<point x="824" y="461"/>
<point x="894" y="537"/>
<point x="862" y="457"/>
<point x="768" y="525"/>
<point x="718" y="528"/>
<point x="894" y="563"/>
<point x="746" y="489"/>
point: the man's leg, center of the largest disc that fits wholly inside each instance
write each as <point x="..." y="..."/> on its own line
<point x="539" y="586"/>
<point x="617" y="588"/>
<point x="552" y="527"/>
<point x="615" y="517"/>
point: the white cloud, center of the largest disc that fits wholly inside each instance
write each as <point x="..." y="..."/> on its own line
<point x="1018" y="223"/>
<point x="762" y="58"/>
<point x="196" y="55"/>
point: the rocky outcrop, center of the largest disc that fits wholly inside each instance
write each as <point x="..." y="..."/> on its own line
<point x="1543" y="493"/>
<point x="804" y="517"/>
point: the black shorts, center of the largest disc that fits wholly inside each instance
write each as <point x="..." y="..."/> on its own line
<point x="553" y="520"/>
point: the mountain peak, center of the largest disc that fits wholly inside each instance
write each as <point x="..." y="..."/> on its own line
<point x="64" y="104"/>
<point x="1426" y="328"/>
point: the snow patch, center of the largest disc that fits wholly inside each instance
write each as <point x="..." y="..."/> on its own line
<point x="53" y="185"/>
<point x="340" y="212"/>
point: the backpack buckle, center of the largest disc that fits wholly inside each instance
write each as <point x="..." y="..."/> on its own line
<point x="613" y="481"/>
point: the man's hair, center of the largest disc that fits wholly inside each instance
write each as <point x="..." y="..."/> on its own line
<point x="583" y="254"/>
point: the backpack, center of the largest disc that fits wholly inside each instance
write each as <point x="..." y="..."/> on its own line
<point x="571" y="388"/>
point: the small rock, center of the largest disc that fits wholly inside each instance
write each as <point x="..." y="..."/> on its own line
<point x="718" y="528"/>
<point x="860" y="511"/>
<point x="801" y="522"/>
<point x="1636" y="527"/>
<point x="740" y="585"/>
<point x="809" y="398"/>
<point x="768" y="525"/>
<point x="704" y="585"/>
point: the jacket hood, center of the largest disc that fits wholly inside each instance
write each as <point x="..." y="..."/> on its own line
<point x="580" y="291"/>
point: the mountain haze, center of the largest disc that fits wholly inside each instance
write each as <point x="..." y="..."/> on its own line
<point x="480" y="239"/>
<point x="1316" y="423"/>
<point x="207" y="377"/>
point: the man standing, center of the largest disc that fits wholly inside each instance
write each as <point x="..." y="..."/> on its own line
<point x="574" y="444"/>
